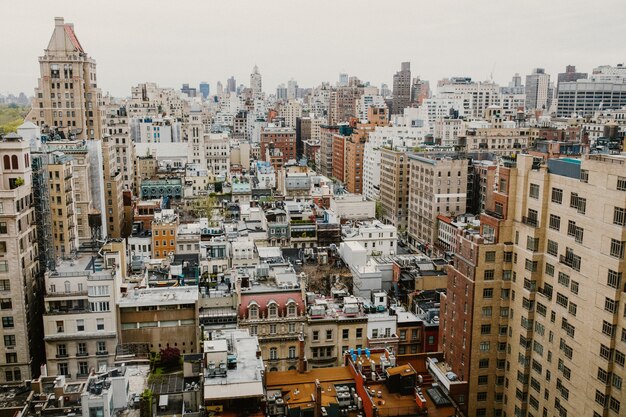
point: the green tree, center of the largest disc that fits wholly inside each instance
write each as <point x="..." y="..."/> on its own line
<point x="380" y="210"/>
<point x="205" y="207"/>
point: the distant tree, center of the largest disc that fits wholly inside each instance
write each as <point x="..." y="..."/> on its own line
<point x="380" y="210"/>
<point x="205" y="206"/>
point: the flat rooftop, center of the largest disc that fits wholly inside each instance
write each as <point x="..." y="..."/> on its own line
<point x="159" y="296"/>
<point x="244" y="381"/>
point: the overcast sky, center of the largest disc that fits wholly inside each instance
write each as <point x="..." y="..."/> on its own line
<point x="172" y="42"/>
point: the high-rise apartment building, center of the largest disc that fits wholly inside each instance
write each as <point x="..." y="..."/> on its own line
<point x="437" y="185"/>
<point x="534" y="301"/>
<point x="394" y="187"/>
<point x="538" y="90"/>
<point x="587" y="96"/>
<point x="231" y="85"/>
<point x="67" y="97"/>
<point x="401" y="88"/>
<point x="205" y="89"/>
<point x="278" y="145"/>
<point x="256" y="82"/>
<point x="20" y="279"/>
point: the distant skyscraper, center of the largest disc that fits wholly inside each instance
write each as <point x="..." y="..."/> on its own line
<point x="205" y="89"/>
<point x="384" y="90"/>
<point x="281" y="92"/>
<point x="420" y="90"/>
<point x="292" y="89"/>
<point x="343" y="79"/>
<point x="537" y="90"/>
<point x="570" y="75"/>
<point x="402" y="88"/>
<point x="220" y="88"/>
<point x="189" y="91"/>
<point x="67" y="97"/>
<point x="231" y="85"/>
<point x="256" y="84"/>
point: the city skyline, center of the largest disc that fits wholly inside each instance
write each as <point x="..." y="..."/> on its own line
<point x="220" y="40"/>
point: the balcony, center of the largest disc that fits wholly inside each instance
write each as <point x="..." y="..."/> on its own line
<point x="82" y="354"/>
<point x="530" y="221"/>
<point x="67" y="294"/>
<point x="573" y="261"/>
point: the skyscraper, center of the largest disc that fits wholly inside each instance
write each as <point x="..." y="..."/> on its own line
<point x="256" y="82"/>
<point x="533" y="310"/>
<point x="402" y="88"/>
<point x="231" y="85"/>
<point x="537" y="90"/>
<point x="67" y="97"/>
<point x="205" y="89"/>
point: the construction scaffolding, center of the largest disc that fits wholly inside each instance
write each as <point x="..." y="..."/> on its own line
<point x="41" y="194"/>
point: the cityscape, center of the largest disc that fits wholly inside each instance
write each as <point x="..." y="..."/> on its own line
<point x="442" y="247"/>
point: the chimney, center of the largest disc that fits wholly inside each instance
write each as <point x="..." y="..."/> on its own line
<point x="318" y="398"/>
<point x="301" y="359"/>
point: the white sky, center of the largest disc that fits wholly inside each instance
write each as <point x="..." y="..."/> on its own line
<point x="188" y="41"/>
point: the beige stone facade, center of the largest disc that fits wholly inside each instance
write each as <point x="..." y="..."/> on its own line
<point x="67" y="97"/>
<point x="394" y="187"/>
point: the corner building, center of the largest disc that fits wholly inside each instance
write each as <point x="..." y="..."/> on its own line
<point x="545" y="319"/>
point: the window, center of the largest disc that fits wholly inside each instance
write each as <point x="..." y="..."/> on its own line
<point x="557" y="195"/>
<point x="532" y="244"/>
<point x="61" y="351"/>
<point x="9" y="340"/>
<point x="483" y="379"/>
<point x="549" y="269"/>
<point x="316" y="335"/>
<point x="553" y="247"/>
<point x="345" y="334"/>
<point x="614" y="404"/>
<point x="272" y="329"/>
<point x="483" y="363"/>
<point x="619" y="358"/>
<point x="614" y="279"/>
<point x="485" y="346"/>
<point x="534" y="191"/>
<point x="574" y="287"/>
<point x="584" y="175"/>
<point x="490" y="256"/>
<point x="359" y="332"/>
<point x="291" y="327"/>
<point x="487" y="292"/>
<point x="481" y="396"/>
<point x="83" y="368"/>
<point x="81" y="348"/>
<point x="7" y="322"/>
<point x="254" y="330"/>
<point x="272" y="311"/>
<point x="100" y="324"/>
<point x="63" y="369"/>
<point x="253" y="312"/>
<point x="578" y="203"/>
<point x="617" y="249"/>
<point x="610" y="305"/>
<point x="80" y="325"/>
<point x="329" y="334"/>
<point x="485" y="329"/>
<point x="291" y="310"/>
<point x="619" y="216"/>
<point x="608" y="328"/>
<point x="292" y="352"/>
<point x="489" y="275"/>
<point x="11" y="357"/>
<point x="621" y="183"/>
<point x="487" y="311"/>
<point x="531" y="265"/>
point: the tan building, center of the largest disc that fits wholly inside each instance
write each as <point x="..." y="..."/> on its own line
<point x="146" y="168"/>
<point x="394" y="187"/>
<point x="62" y="204"/>
<point x="549" y="264"/>
<point x="437" y="185"/>
<point x="19" y="269"/>
<point x="333" y="329"/>
<point x="113" y="188"/>
<point x="117" y="130"/>
<point x="67" y="97"/>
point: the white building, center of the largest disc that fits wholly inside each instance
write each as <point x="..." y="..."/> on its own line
<point x="377" y="238"/>
<point x="365" y="102"/>
<point x="217" y="154"/>
<point x="350" y="207"/>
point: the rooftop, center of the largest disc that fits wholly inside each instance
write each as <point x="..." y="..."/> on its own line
<point x="159" y="296"/>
